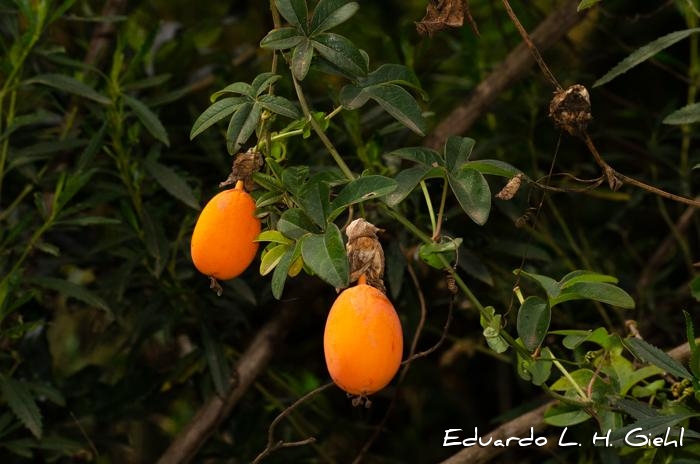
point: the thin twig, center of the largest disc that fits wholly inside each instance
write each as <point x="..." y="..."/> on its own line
<point x="85" y="435"/>
<point x="273" y="446"/>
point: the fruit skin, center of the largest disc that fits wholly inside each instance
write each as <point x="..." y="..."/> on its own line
<point x="363" y="340"/>
<point x="223" y="243"/>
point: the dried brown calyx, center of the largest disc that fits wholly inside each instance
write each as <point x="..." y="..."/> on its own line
<point x="570" y="109"/>
<point x="511" y="188"/>
<point x="441" y="14"/>
<point x="244" y="165"/>
<point x="365" y="253"/>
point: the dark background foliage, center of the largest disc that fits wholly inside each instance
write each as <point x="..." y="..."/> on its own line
<point x="115" y="335"/>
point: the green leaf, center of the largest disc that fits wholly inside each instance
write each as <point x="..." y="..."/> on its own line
<point x="491" y="323"/>
<point x="172" y="182"/>
<point x="326" y="257"/>
<point x="473" y="193"/>
<point x="598" y="291"/>
<point x="72" y="290"/>
<point x="215" y="113"/>
<point x="408" y="179"/>
<point x="70" y="85"/>
<point x="270" y="258"/>
<point x="242" y="126"/>
<point x="301" y="59"/>
<point x="282" y="38"/>
<point x="262" y="82"/>
<point x="216" y="360"/>
<point x="314" y="198"/>
<point x="574" y="338"/>
<point x="294" y="223"/>
<point x="637" y="376"/>
<point x="399" y="104"/>
<point x="420" y="155"/>
<point x="695" y="287"/>
<point x="585" y="276"/>
<point x="541" y="368"/>
<point x="686" y="115"/>
<point x="549" y="285"/>
<point x="295" y="12"/>
<point x="579" y="376"/>
<point x="390" y="73"/>
<point x="89" y="221"/>
<point x="353" y="97"/>
<point x="565" y="415"/>
<point x="651" y="426"/>
<point x="330" y="13"/>
<point x="586" y="4"/>
<point x="341" y="53"/>
<point x="279" y="105"/>
<point x="279" y="277"/>
<point x="241" y="88"/>
<point x="534" y="317"/>
<point x="493" y="167"/>
<point x="273" y="236"/>
<point x="362" y="189"/>
<point x="148" y="118"/>
<point x="652" y="355"/>
<point x="457" y="152"/>
<point x="430" y="252"/>
<point x="644" y="53"/>
<point x="694" y="361"/>
<point x="22" y="404"/>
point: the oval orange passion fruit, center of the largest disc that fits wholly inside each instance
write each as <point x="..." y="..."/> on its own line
<point x="363" y="340"/>
<point x="223" y="243"/>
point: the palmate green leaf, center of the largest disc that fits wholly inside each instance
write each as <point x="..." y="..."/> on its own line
<point x="148" y="118"/>
<point x="70" y="85"/>
<point x="295" y="223"/>
<point x="424" y="156"/>
<point x="282" y="38"/>
<point x="242" y="125"/>
<point x="295" y="12"/>
<point x="216" y="360"/>
<point x="22" y="404"/>
<point x="686" y="115"/>
<point x="72" y="290"/>
<point x="652" y="355"/>
<point x="325" y="255"/>
<point x="644" y="53"/>
<point x="341" y="53"/>
<point x="598" y="291"/>
<point x="457" y="152"/>
<point x="586" y="4"/>
<point x="301" y="59"/>
<point x="279" y="105"/>
<point x="534" y="317"/>
<point x="172" y="182"/>
<point x="362" y="189"/>
<point x="399" y="104"/>
<point x="408" y="179"/>
<point x="215" y="113"/>
<point x="473" y="194"/>
<point x="330" y="13"/>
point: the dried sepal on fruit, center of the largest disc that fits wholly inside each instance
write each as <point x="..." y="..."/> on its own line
<point x="244" y="165"/>
<point x="365" y="253"/>
<point x="223" y="241"/>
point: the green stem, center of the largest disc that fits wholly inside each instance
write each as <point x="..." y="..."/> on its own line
<point x="566" y="374"/>
<point x="319" y="132"/>
<point x="334" y="113"/>
<point x="428" y="202"/>
<point x="441" y="211"/>
<point x="7" y="211"/>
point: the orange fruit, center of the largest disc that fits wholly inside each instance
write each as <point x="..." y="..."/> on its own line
<point x="223" y="243"/>
<point x="363" y="340"/>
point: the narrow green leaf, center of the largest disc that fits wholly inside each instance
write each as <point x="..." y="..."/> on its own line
<point x="493" y="167"/>
<point x="534" y="317"/>
<point x="72" y="290"/>
<point x="330" y="13"/>
<point x="262" y="82"/>
<point x="652" y="355"/>
<point x="279" y="277"/>
<point x="695" y="287"/>
<point x="644" y="53"/>
<point x="585" y="276"/>
<point x="325" y="255"/>
<point x="473" y="194"/>
<point x="399" y="104"/>
<point x="282" y="38"/>
<point x="408" y="179"/>
<point x="218" y="365"/>
<point x="271" y="258"/>
<point x="421" y="155"/>
<point x="295" y="12"/>
<point x="294" y="223"/>
<point x="694" y="361"/>
<point x="341" y="53"/>
<point x="70" y="85"/>
<point x="362" y="189"/>
<point x="686" y="115"/>
<point x="598" y="291"/>
<point x="279" y="105"/>
<point x="649" y="427"/>
<point x="242" y="126"/>
<point x="148" y="118"/>
<point x="22" y="404"/>
<point x="89" y="221"/>
<point x="457" y="152"/>
<point x="215" y="113"/>
<point x="390" y="73"/>
<point x="353" y="97"/>
<point x="172" y="182"/>
<point x="586" y="4"/>
<point x="273" y="236"/>
<point x="301" y="59"/>
<point x="241" y="88"/>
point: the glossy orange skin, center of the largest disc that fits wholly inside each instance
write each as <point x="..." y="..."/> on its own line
<point x="223" y="243"/>
<point x="362" y="341"/>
